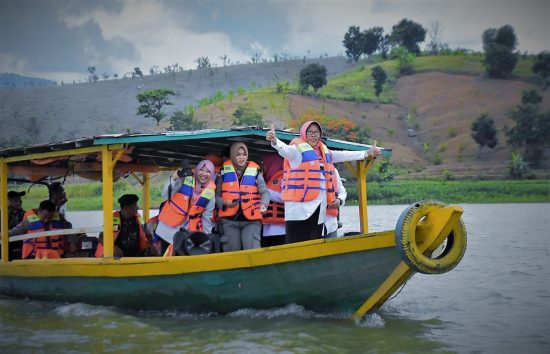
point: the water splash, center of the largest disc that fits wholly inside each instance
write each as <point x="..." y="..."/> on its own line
<point x="371" y="320"/>
<point x="289" y="310"/>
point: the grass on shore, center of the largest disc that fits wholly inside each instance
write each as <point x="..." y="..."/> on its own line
<point x="87" y="196"/>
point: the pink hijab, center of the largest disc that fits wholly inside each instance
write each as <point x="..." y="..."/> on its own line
<point x="303" y="130"/>
<point x="198" y="187"/>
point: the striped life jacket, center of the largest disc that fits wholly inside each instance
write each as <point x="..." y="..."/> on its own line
<point x="275" y="213"/>
<point x="302" y="184"/>
<point x="176" y="211"/>
<point x="246" y="191"/>
<point x="50" y="247"/>
<point x="117" y="223"/>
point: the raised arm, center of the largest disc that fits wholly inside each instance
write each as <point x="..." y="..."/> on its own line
<point x="288" y="152"/>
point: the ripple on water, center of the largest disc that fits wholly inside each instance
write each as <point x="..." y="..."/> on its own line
<point x="288" y="310"/>
<point x="82" y="310"/>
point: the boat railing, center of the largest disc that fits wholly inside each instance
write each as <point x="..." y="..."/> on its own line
<point x="61" y="232"/>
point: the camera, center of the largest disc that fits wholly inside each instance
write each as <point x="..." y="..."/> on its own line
<point x="185" y="169"/>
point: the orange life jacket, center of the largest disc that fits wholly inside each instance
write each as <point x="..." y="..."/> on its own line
<point x="302" y="184"/>
<point x="42" y="247"/>
<point x="143" y="241"/>
<point x="275" y="213"/>
<point x="246" y="191"/>
<point x="177" y="211"/>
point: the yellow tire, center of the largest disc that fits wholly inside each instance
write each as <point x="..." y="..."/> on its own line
<point x="428" y="263"/>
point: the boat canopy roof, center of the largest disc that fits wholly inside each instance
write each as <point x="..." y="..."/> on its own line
<point x="154" y="151"/>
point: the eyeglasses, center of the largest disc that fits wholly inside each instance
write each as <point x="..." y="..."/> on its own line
<point x="313" y="132"/>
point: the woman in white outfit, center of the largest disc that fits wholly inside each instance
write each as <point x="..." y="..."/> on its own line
<point x="308" y="175"/>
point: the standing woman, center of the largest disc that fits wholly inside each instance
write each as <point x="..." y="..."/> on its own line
<point x="191" y="206"/>
<point x="308" y="175"/>
<point x="242" y="198"/>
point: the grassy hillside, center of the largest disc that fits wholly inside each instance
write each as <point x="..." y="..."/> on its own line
<point x="438" y="102"/>
<point x="358" y="85"/>
<point x="45" y="114"/>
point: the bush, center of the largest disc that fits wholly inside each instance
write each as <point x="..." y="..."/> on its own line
<point x="247" y="116"/>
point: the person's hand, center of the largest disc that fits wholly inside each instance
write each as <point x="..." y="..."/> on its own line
<point x="263" y="208"/>
<point x="334" y="205"/>
<point x="373" y="151"/>
<point x="230" y="203"/>
<point x="270" y="136"/>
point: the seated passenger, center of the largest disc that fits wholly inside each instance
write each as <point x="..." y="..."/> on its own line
<point x="128" y="231"/>
<point x="45" y="218"/>
<point x="241" y="197"/>
<point x="58" y="197"/>
<point x="335" y="199"/>
<point x="191" y="206"/>
<point x="15" y="216"/>
<point x="273" y="221"/>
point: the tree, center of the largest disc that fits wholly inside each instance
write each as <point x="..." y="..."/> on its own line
<point x="203" y="63"/>
<point x="532" y="128"/>
<point x="488" y="37"/>
<point x="499" y="45"/>
<point x="506" y="36"/>
<point x="185" y="120"/>
<point x="405" y="60"/>
<point x="247" y="116"/>
<point x="315" y="75"/>
<point x="499" y="61"/>
<point x="152" y="101"/>
<point x="541" y="67"/>
<point x="137" y="72"/>
<point x="435" y="44"/>
<point x="353" y="42"/>
<point x="408" y="34"/>
<point x="93" y="76"/>
<point x="484" y="132"/>
<point x="380" y="77"/>
<point x="371" y="39"/>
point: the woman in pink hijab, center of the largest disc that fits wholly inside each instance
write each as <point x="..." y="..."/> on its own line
<point x="190" y="205"/>
<point x="310" y="184"/>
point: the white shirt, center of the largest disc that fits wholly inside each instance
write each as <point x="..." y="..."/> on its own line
<point x="331" y="222"/>
<point x="303" y="210"/>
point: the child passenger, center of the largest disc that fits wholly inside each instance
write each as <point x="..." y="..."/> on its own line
<point x="242" y="197"/>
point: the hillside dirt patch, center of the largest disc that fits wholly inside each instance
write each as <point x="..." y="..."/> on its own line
<point x="444" y="107"/>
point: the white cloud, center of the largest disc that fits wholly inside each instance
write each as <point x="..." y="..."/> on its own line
<point x="159" y="37"/>
<point x="12" y="64"/>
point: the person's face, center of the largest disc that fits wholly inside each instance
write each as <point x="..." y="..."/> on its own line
<point x="15" y="203"/>
<point x="45" y="216"/>
<point x="313" y="134"/>
<point x="204" y="175"/>
<point x="59" y="197"/>
<point x="129" y="211"/>
<point x="241" y="157"/>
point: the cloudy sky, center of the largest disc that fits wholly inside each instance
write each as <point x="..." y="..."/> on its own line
<point x="59" y="39"/>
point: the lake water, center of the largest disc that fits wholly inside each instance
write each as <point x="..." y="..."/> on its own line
<point x="497" y="300"/>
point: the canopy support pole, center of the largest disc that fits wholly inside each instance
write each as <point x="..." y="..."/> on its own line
<point x="4" y="209"/>
<point x="107" y="174"/>
<point x="146" y="196"/>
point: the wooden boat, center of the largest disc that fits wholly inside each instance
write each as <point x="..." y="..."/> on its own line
<point x="353" y="274"/>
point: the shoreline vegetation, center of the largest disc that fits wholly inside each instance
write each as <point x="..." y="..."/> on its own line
<point x="87" y="196"/>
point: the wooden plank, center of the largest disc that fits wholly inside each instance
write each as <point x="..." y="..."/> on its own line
<point x="62" y="232"/>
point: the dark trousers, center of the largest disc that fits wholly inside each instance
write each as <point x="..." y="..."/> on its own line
<point x="304" y="230"/>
